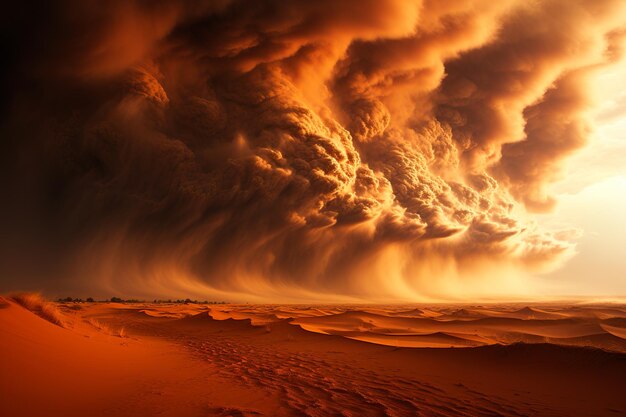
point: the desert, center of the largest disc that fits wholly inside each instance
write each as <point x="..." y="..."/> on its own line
<point x="130" y="359"/>
<point x="313" y="208"/>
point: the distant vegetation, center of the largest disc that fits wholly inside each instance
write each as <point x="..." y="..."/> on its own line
<point x="187" y="301"/>
<point x="132" y="300"/>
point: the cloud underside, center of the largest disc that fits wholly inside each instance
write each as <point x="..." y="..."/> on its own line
<point x="295" y="149"/>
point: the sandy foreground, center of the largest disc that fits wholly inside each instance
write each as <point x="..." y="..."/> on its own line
<point x="113" y="359"/>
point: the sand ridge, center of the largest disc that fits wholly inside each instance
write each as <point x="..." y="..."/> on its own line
<point x="435" y="326"/>
<point x="279" y="360"/>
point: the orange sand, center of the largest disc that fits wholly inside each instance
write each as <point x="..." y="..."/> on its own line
<point x="194" y="360"/>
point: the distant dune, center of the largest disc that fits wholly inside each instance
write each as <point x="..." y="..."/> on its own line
<point x="278" y="360"/>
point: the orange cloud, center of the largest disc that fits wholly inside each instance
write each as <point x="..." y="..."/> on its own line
<point x="294" y="150"/>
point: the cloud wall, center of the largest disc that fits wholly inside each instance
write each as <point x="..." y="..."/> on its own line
<point x="293" y="150"/>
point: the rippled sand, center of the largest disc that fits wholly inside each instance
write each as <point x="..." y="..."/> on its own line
<point x="279" y="360"/>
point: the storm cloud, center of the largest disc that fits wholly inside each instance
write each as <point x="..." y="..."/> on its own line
<point x="291" y="150"/>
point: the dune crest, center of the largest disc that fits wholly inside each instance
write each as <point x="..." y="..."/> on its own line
<point x="286" y="361"/>
<point x="37" y="304"/>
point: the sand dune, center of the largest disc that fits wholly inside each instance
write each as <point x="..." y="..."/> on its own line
<point x="619" y="331"/>
<point x="235" y="360"/>
<point x="416" y="312"/>
<point x="438" y="339"/>
<point x="476" y="326"/>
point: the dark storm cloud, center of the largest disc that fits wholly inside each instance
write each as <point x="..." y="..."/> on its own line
<point x="288" y="149"/>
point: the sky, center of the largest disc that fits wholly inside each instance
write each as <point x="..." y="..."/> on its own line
<point x="592" y="197"/>
<point x="297" y="151"/>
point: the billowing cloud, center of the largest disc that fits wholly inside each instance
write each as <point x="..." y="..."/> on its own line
<point x="293" y="150"/>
